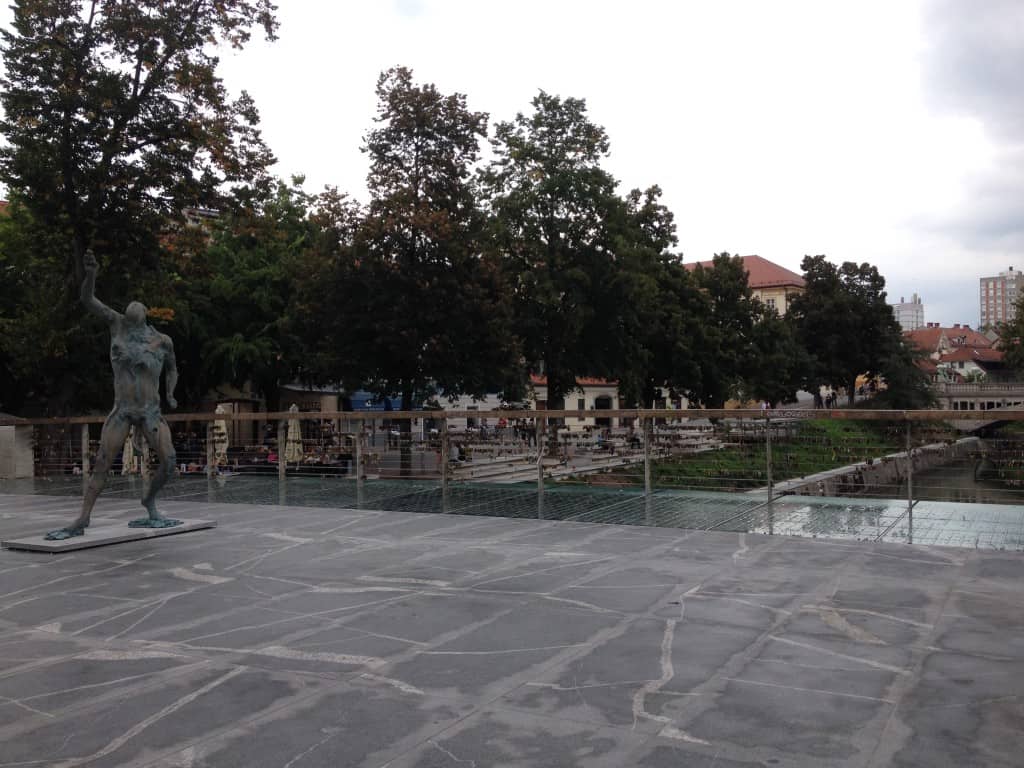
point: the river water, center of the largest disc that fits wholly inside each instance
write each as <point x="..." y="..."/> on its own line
<point x="956" y="482"/>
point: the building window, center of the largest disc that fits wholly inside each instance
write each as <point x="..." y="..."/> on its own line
<point x="770" y="303"/>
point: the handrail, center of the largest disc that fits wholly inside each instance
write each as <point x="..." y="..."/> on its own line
<point x="854" y="414"/>
<point x="967" y="387"/>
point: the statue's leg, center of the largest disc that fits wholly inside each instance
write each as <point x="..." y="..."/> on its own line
<point x="115" y="430"/>
<point x="158" y="435"/>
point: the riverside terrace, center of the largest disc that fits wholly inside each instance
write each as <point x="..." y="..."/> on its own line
<point x="299" y="637"/>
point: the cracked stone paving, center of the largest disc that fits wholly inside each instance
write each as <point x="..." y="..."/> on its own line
<point x="298" y="637"/>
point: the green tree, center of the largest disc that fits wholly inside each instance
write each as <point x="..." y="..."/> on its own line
<point x="727" y="349"/>
<point x="417" y="307"/>
<point x="325" y="285"/>
<point x="1011" y="339"/>
<point x="845" y="324"/>
<point x="115" y="121"/>
<point x="232" y="305"/>
<point x="777" y="362"/>
<point x="659" y="307"/>
<point x="552" y="204"/>
<point x="907" y="386"/>
<point x="33" y="350"/>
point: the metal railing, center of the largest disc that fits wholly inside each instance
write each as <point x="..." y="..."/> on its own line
<point x="563" y="464"/>
<point x="982" y="387"/>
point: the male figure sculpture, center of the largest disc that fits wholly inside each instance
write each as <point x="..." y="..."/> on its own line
<point x="138" y="355"/>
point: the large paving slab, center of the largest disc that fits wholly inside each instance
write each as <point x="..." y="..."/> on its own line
<point x="303" y="637"/>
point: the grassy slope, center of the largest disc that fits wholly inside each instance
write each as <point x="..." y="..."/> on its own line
<point x="812" y="446"/>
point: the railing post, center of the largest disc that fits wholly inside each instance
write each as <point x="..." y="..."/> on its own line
<point x="910" y="488"/>
<point x="211" y="453"/>
<point x="444" y="463"/>
<point x="768" y="452"/>
<point x="540" y="468"/>
<point x="282" y="465"/>
<point x="84" y="441"/>
<point x="645" y="422"/>
<point x="359" y="463"/>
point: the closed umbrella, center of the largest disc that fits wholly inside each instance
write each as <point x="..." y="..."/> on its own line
<point x="293" y="445"/>
<point x="128" y="453"/>
<point x="220" y="437"/>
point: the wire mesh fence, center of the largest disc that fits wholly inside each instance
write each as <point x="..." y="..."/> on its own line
<point x="924" y="476"/>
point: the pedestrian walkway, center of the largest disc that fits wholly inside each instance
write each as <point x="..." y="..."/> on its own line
<point x="311" y="637"/>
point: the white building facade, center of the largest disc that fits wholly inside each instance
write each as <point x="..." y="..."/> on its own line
<point x="909" y="314"/>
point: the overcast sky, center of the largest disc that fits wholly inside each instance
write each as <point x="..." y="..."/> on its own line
<point x="887" y="132"/>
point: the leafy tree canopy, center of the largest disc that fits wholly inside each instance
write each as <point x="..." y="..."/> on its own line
<point x="114" y="122"/>
<point x="115" y="118"/>
<point x="777" y="362"/>
<point x="416" y="305"/>
<point x="552" y="204"/>
<point x="729" y="324"/>
<point x="1011" y="339"/>
<point x="231" y="307"/>
<point x="844" y="322"/>
<point x="659" y="309"/>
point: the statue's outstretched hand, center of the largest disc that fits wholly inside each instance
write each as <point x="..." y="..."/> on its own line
<point x="172" y="402"/>
<point x="89" y="262"/>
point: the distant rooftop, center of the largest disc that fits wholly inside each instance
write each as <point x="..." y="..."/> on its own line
<point x="962" y="335"/>
<point x="581" y="381"/>
<point x="761" y="273"/>
<point x="973" y="354"/>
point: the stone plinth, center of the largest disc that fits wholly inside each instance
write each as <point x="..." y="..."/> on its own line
<point x="103" y="534"/>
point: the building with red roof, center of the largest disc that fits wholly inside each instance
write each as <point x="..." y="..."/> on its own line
<point x="958" y="352"/>
<point x="971" y="363"/>
<point x="769" y="282"/>
<point x="935" y="340"/>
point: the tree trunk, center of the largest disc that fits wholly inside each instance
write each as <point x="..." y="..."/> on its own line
<point x="851" y="391"/>
<point x="649" y="394"/>
<point x="272" y="396"/>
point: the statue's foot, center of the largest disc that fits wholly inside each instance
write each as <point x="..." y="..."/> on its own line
<point x="154" y="522"/>
<point x="64" y="533"/>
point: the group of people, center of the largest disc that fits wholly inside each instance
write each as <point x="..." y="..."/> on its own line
<point x="830" y="399"/>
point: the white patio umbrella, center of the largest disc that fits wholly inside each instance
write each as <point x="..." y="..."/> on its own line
<point x="220" y="437"/>
<point x="293" y="443"/>
<point x="128" y="454"/>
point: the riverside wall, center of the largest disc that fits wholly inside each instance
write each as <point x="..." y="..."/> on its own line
<point x="886" y="470"/>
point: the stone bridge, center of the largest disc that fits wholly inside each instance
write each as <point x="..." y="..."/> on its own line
<point x="984" y="397"/>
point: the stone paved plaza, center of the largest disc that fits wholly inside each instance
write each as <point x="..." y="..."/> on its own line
<point x="298" y="637"/>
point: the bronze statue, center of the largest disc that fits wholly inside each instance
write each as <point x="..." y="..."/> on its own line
<point x="138" y="354"/>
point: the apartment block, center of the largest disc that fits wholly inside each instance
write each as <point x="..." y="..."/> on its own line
<point x="909" y="314"/>
<point x="998" y="297"/>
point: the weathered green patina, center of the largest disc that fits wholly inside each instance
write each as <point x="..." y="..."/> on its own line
<point x="139" y="354"/>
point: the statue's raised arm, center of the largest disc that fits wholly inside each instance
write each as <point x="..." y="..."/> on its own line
<point x="88" y="294"/>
